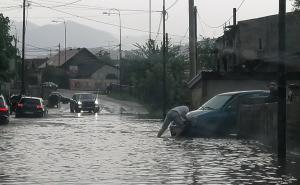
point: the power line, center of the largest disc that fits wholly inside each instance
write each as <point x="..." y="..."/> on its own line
<point x="106" y="23"/>
<point x="89" y="7"/>
<point x="158" y="30"/>
<point x="66" y="4"/>
<point x="227" y="20"/>
<point x="184" y="35"/>
<point x="172" y="5"/>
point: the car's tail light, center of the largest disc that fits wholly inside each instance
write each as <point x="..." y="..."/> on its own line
<point x="39" y="106"/>
<point x="3" y="109"/>
<point x="20" y="105"/>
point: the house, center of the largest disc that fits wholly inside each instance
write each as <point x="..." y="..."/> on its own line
<point x="99" y="80"/>
<point x="84" y="69"/>
<point x="252" y="45"/>
<point x="248" y="58"/>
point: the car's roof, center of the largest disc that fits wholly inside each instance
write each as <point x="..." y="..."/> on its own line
<point x="82" y="93"/>
<point x="244" y="92"/>
<point x="29" y="97"/>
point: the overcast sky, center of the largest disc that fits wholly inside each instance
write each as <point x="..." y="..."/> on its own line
<point x="212" y="13"/>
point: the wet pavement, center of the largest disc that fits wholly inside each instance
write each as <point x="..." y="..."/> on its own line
<point x="114" y="148"/>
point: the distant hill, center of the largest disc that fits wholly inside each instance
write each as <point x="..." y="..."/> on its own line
<point x="78" y="36"/>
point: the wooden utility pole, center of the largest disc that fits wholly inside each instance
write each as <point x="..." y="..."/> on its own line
<point x="197" y="63"/>
<point x="234" y="37"/>
<point x="59" y="54"/>
<point x="282" y="119"/>
<point x="164" y="61"/>
<point x="23" y="51"/>
<point x="192" y="40"/>
<point x="150" y="19"/>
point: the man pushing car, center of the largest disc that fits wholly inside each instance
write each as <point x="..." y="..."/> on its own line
<point x="177" y="118"/>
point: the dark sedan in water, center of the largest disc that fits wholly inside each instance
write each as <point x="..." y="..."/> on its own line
<point x="219" y="115"/>
<point x="31" y="106"/>
<point x="84" y="102"/>
<point x="4" y="111"/>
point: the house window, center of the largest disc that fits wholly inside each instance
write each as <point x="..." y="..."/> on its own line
<point x="73" y="69"/>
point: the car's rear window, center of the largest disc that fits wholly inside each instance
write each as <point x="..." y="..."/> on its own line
<point x="30" y="101"/>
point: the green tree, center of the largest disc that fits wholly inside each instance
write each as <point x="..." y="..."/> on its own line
<point x="7" y="50"/>
<point x="145" y="74"/>
<point x="296" y="5"/>
<point x="206" y="51"/>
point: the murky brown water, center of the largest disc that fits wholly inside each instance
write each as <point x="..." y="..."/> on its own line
<point x="111" y="149"/>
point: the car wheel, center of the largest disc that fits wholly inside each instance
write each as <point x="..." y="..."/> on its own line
<point x="40" y="115"/>
<point x="71" y="109"/>
<point x="77" y="110"/>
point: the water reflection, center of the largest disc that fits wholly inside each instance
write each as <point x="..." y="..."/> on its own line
<point x="115" y="149"/>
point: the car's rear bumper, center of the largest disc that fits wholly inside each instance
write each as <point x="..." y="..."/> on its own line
<point x="29" y="112"/>
<point x="4" y="119"/>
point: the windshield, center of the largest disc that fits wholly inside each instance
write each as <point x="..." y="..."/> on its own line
<point x="87" y="97"/>
<point x="216" y="102"/>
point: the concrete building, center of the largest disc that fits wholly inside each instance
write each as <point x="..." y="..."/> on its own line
<point x="253" y="44"/>
<point x="247" y="58"/>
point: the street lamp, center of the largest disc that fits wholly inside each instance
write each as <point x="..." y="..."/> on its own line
<point x="63" y="21"/>
<point x="120" y="25"/>
<point x="117" y="12"/>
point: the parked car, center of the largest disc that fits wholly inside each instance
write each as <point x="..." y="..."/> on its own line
<point x="31" y="106"/>
<point x="219" y="115"/>
<point x="84" y="102"/>
<point x="50" y="85"/>
<point x="14" y="100"/>
<point x="4" y="111"/>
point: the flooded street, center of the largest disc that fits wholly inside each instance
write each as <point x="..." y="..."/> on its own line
<point x="110" y="148"/>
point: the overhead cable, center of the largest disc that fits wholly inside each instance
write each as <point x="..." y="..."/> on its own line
<point x="102" y="22"/>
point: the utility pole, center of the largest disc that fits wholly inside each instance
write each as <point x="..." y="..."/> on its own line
<point x="192" y="40"/>
<point x="150" y="19"/>
<point x="197" y="63"/>
<point x="164" y="61"/>
<point x="59" y="54"/>
<point x="65" y="41"/>
<point x="234" y="37"/>
<point x="23" y="51"/>
<point x="281" y="129"/>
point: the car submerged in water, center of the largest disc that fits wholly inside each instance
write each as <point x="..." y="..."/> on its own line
<point x="84" y="102"/>
<point x="219" y="115"/>
<point x="31" y="106"/>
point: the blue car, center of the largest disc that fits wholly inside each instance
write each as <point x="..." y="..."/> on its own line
<point x="219" y="115"/>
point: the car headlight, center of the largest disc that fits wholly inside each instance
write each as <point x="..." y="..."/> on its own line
<point x="96" y="102"/>
<point x="79" y="103"/>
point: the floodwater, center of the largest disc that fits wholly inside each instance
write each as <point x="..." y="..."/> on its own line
<point x="66" y="148"/>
